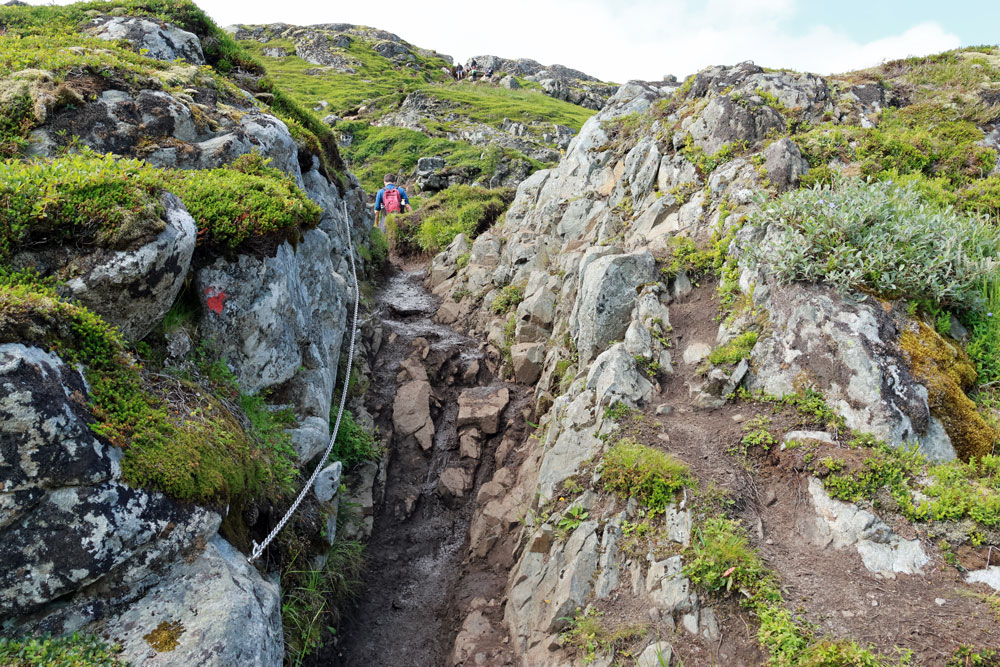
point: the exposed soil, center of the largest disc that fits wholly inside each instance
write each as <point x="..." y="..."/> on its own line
<point x="828" y="588"/>
<point x="418" y="588"/>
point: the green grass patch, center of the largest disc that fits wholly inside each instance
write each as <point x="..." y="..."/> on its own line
<point x="591" y="635"/>
<point x="76" y="650"/>
<point x="460" y="209"/>
<point x="721" y="561"/>
<point x="312" y="600"/>
<point x="507" y="299"/>
<point x="491" y="106"/>
<point x="653" y="477"/>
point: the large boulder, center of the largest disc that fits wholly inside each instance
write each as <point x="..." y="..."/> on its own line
<point x="846" y="349"/>
<point x="605" y="298"/>
<point x="65" y="519"/>
<point x="411" y="413"/>
<point x="132" y="289"/>
<point x="481" y="407"/>
<point x="154" y="39"/>
<point x="216" y="611"/>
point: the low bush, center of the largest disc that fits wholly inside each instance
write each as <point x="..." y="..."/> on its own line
<point x="651" y="476"/>
<point x="882" y="238"/>
<point x="75" y="650"/>
<point x="507" y="299"/>
<point x="460" y="209"/>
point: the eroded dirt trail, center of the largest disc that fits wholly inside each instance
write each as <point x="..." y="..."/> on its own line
<point x="416" y="590"/>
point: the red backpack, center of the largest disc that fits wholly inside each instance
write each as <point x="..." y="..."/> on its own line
<point x="391" y="200"/>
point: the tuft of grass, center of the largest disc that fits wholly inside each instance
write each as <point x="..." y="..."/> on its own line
<point x="507" y="299"/>
<point x="735" y="350"/>
<point x="354" y="445"/>
<point x="633" y="470"/>
<point x="312" y="600"/>
<point x="590" y="635"/>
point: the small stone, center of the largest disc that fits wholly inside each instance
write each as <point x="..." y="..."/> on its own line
<point x="847" y="614"/>
<point x="739" y="418"/>
<point x="664" y="409"/>
<point x="690" y="622"/>
<point x="664" y="437"/>
<point x="939" y="601"/>
<point x="695" y="353"/>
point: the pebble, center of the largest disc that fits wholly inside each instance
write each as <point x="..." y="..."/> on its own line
<point x="739" y="418"/>
<point x="664" y="409"/>
<point x="939" y="601"/>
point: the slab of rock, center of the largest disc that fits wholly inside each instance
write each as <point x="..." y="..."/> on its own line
<point x="527" y="359"/>
<point x="989" y="576"/>
<point x="454" y="482"/>
<point x="696" y="353"/>
<point x="161" y="41"/>
<point x="656" y="654"/>
<point x="411" y="413"/>
<point x="841" y="524"/>
<point x="218" y="610"/>
<point x="470" y="443"/>
<point x="482" y="407"/>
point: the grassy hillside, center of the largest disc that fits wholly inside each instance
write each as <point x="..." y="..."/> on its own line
<point x="378" y="85"/>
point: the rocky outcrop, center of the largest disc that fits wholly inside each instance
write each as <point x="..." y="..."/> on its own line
<point x="69" y="526"/>
<point x="153" y="39"/>
<point x="557" y="81"/>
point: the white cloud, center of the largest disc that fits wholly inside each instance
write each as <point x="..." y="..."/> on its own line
<point x="613" y="40"/>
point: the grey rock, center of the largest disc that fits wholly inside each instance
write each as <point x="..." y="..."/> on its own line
<point x="224" y="611"/>
<point x="606" y="296"/>
<point x="454" y="482"/>
<point x="808" y="436"/>
<point x="989" y="576"/>
<point x="527" y="359"/>
<point x="156" y="39"/>
<point x="696" y="352"/>
<point x="134" y="289"/>
<point x="328" y="482"/>
<point x="849" y="349"/>
<point x="841" y="524"/>
<point x="784" y="163"/>
<point x="724" y="121"/>
<point x="656" y="654"/>
<point x="614" y="376"/>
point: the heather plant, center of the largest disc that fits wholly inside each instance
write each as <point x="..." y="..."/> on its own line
<point x="882" y="238"/>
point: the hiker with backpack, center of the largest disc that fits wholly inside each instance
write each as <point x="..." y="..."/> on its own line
<point x="390" y="199"/>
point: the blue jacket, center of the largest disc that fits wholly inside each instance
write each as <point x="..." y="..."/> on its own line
<point x="403" y="199"/>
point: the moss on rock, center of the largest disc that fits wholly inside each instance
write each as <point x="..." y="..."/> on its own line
<point x="946" y="371"/>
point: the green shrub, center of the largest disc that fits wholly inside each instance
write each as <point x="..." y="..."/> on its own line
<point x="354" y="445"/>
<point x="652" y="477"/>
<point x="91" y="198"/>
<point x="75" y="650"/>
<point x="984" y="344"/>
<point x="589" y="634"/>
<point x="507" y="299"/>
<point x="378" y="248"/>
<point x="882" y="238"/>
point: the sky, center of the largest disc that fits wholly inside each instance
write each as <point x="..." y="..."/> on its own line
<point x="618" y="40"/>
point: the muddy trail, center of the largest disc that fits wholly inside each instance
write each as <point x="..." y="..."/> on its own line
<point x="828" y="587"/>
<point x="417" y="586"/>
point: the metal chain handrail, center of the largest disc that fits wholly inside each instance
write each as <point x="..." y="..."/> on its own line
<point x="258" y="549"/>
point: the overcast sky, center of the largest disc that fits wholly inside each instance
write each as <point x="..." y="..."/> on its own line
<point x="619" y="40"/>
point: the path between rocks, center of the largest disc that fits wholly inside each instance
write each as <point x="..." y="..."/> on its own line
<point x="433" y="392"/>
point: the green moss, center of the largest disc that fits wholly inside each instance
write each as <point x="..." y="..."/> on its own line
<point x="492" y="106"/>
<point x="735" y="350"/>
<point x="243" y="200"/>
<point x="97" y="199"/>
<point x="947" y="372"/>
<point x="651" y="476"/>
<point x="163" y="638"/>
<point x="191" y="448"/>
<point x="76" y="650"/>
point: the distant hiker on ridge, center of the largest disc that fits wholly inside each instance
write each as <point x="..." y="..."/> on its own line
<point x="390" y="199"/>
